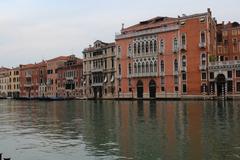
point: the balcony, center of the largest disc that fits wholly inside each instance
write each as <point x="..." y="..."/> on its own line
<point x="221" y="65"/>
<point x="202" y="67"/>
<point x="97" y="84"/>
<point x="70" y="78"/>
<point x="146" y="32"/>
<point x="162" y="74"/>
<point x="202" y="45"/>
<point x="184" y="69"/>
<point x="183" y="47"/>
<point x="28" y="84"/>
<point x="175" y="50"/>
<point x="150" y="74"/>
<point x="97" y="70"/>
<point x="175" y="73"/>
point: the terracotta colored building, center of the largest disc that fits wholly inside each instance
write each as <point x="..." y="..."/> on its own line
<point x="31" y="78"/>
<point x="99" y="70"/>
<point x="165" y="57"/>
<point x="224" y="66"/>
<point x="70" y="78"/>
<point x="52" y="66"/>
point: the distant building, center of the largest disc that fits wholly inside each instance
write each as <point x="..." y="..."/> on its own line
<point x="99" y="70"/>
<point x="165" y="57"/>
<point x="14" y="83"/>
<point x="70" y="78"/>
<point x="4" y="81"/>
<point x="52" y="76"/>
<point x="31" y="79"/>
<point x="224" y="66"/>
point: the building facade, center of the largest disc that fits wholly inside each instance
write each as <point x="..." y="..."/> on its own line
<point x="224" y="66"/>
<point x="52" y="66"/>
<point x="99" y="70"/>
<point x="14" y="83"/>
<point x="70" y="78"/>
<point x="30" y="79"/>
<point x="165" y="57"/>
<point x="4" y="81"/>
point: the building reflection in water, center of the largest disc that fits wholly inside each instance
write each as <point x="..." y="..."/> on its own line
<point x="181" y="130"/>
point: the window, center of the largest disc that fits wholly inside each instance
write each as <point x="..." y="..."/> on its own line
<point x="151" y="47"/>
<point x="155" y="66"/>
<point x="134" y="48"/>
<point x="225" y="33"/>
<point x="129" y="69"/>
<point x="147" y="67"/>
<point x="163" y="89"/>
<point x="112" y="62"/>
<point x="204" y="88"/>
<point x="129" y="49"/>
<point x="211" y="75"/>
<point x="184" y="76"/>
<point x="147" y="47"/>
<point x="184" y="88"/>
<point x="176" y="88"/>
<point x="143" y="48"/>
<point x="143" y="68"/>
<point x="229" y="74"/>
<point x="175" y="65"/>
<point x="138" y="48"/>
<point x="234" y="32"/>
<point x="162" y="81"/>
<point x="161" y="48"/>
<point x="229" y="86"/>
<point x="204" y="76"/>
<point x="203" y="59"/>
<point x="139" y="67"/>
<point x="119" y="70"/>
<point x="119" y="50"/>
<point x="183" y="40"/>
<point x="202" y="37"/>
<point x="237" y="73"/>
<point x="184" y="61"/>
<point x="151" y="66"/>
<point x="238" y="86"/>
<point x="175" y="45"/>
<point x="154" y="46"/>
<point x="162" y="66"/>
<point x="105" y="62"/>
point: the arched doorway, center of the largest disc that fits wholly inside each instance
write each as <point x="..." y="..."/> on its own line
<point x="152" y="89"/>
<point x="221" y="82"/>
<point x="139" y="89"/>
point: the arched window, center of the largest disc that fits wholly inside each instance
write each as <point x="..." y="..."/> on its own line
<point x="155" y="66"/>
<point x="147" y="67"/>
<point x="129" y="49"/>
<point x="147" y="47"/>
<point x="175" y="65"/>
<point x="155" y="46"/>
<point x="184" y="61"/>
<point x="119" y="69"/>
<point x="135" y="67"/>
<point x="143" y="48"/>
<point x="143" y="67"/>
<point x="139" y="67"/>
<point x="162" y="66"/>
<point x="203" y="39"/>
<point x="129" y="69"/>
<point x="139" y="47"/>
<point x="175" y="44"/>
<point x="203" y="59"/>
<point x="151" y="47"/>
<point x="151" y="66"/>
<point x="135" y="48"/>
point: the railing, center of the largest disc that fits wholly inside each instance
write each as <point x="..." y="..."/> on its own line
<point x="202" y="45"/>
<point x="97" y="70"/>
<point x="146" y="32"/>
<point x="97" y="84"/>
<point x="162" y="74"/>
<point x="150" y="74"/>
<point x="202" y="67"/>
<point x="224" y="64"/>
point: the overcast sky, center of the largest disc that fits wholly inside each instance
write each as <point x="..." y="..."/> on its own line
<point x="32" y="30"/>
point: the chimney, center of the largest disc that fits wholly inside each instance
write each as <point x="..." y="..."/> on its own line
<point x="122" y="26"/>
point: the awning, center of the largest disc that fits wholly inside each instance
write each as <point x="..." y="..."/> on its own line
<point x="112" y="79"/>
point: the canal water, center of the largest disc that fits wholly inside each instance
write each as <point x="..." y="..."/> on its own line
<point x="121" y="130"/>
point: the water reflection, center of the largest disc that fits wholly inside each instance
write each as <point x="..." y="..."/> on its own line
<point x="173" y="130"/>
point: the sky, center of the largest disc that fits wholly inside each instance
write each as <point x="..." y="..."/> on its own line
<point x="33" y="30"/>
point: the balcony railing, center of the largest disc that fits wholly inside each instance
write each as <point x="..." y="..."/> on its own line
<point x="184" y="69"/>
<point x="97" y="84"/>
<point x="162" y="74"/>
<point x="202" y="67"/>
<point x="202" y="45"/>
<point x="224" y="65"/>
<point x="150" y="74"/>
<point x="147" y="32"/>
<point x="97" y="70"/>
